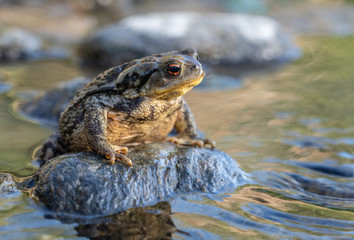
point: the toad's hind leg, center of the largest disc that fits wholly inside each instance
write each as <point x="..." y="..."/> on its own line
<point x="51" y="148"/>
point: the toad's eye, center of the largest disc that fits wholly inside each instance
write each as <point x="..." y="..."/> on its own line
<point x="174" y="69"/>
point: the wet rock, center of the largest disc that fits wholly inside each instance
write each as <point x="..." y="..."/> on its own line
<point x="8" y="186"/>
<point x="18" y="44"/>
<point x="318" y="19"/>
<point x="82" y="183"/>
<point x="218" y="37"/>
<point x="47" y="106"/>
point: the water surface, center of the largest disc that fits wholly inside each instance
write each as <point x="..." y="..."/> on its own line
<point x="292" y="130"/>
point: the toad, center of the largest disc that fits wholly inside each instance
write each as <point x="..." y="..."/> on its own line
<point x="137" y="102"/>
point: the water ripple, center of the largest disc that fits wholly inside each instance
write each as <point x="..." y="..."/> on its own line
<point x="313" y="224"/>
<point x="319" y="191"/>
<point x="265" y="220"/>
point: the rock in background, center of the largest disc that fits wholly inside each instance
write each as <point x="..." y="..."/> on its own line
<point x="18" y="44"/>
<point x="323" y="20"/>
<point x="219" y="38"/>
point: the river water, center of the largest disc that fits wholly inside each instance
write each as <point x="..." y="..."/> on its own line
<point x="291" y="129"/>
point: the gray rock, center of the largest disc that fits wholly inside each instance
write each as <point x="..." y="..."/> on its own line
<point x="8" y="186"/>
<point x="20" y="44"/>
<point x="328" y="20"/>
<point x="17" y="43"/>
<point x="83" y="184"/>
<point x="218" y="37"/>
<point x="46" y="107"/>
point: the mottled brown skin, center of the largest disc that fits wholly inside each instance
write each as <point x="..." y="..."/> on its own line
<point x="137" y="102"/>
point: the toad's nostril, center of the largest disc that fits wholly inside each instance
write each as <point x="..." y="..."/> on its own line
<point x="194" y="67"/>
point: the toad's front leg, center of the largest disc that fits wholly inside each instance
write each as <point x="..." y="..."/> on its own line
<point x="95" y="122"/>
<point x="187" y="130"/>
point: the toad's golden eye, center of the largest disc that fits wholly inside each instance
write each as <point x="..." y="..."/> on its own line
<point x="174" y="69"/>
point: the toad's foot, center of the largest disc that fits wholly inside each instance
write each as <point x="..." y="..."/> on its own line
<point x="198" y="142"/>
<point x="119" y="154"/>
<point x="118" y="149"/>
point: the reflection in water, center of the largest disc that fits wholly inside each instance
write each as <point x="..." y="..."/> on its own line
<point x="137" y="223"/>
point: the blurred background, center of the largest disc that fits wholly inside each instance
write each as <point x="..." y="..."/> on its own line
<point x="277" y="97"/>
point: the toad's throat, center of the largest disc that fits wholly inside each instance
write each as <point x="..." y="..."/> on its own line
<point x="179" y="90"/>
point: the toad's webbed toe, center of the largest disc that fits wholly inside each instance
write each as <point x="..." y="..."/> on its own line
<point x="195" y="142"/>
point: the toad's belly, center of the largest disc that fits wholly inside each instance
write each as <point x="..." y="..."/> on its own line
<point x="124" y="133"/>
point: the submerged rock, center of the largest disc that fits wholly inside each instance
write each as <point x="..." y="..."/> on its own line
<point x="82" y="183"/>
<point x="47" y="106"/>
<point x="218" y="37"/>
<point x="8" y="186"/>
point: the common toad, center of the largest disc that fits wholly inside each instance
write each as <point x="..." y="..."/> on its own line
<point x="137" y="102"/>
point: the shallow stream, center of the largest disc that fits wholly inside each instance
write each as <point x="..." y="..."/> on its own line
<point x="291" y="129"/>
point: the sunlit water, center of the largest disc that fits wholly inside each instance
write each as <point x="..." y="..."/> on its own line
<point x="292" y="130"/>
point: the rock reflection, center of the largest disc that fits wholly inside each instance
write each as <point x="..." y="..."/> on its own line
<point x="152" y="222"/>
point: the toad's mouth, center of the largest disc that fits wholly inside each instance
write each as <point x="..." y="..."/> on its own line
<point x="178" y="90"/>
